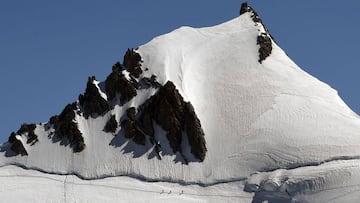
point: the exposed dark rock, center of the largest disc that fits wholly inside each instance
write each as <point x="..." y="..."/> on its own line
<point x="32" y="138"/>
<point x="129" y="128"/>
<point x="65" y="127"/>
<point x="18" y="147"/>
<point x="265" y="46"/>
<point x="29" y="129"/>
<point x="174" y="115"/>
<point x="146" y="83"/>
<point x="139" y="138"/>
<point x="26" y="128"/>
<point x="246" y="8"/>
<point x="116" y="82"/>
<point x="265" y="38"/>
<point x="92" y="102"/>
<point x="132" y="62"/>
<point x="131" y="131"/>
<point x="167" y="110"/>
<point x="132" y="128"/>
<point x="194" y="132"/>
<point x="12" y="138"/>
<point x="146" y="123"/>
<point x="131" y="113"/>
<point x="54" y="119"/>
<point x="118" y="66"/>
<point x="111" y="125"/>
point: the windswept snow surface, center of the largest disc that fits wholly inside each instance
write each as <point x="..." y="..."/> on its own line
<point x="256" y="118"/>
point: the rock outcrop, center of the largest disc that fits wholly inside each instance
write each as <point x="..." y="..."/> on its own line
<point x="26" y="131"/>
<point x="92" y="102"/>
<point x="169" y="110"/>
<point x="265" y="46"/>
<point x="116" y="83"/>
<point x="29" y="131"/>
<point x="66" y="128"/>
<point x="16" y="145"/>
<point x="111" y="125"/>
<point x="264" y="39"/>
<point x="132" y="62"/>
<point x="166" y="108"/>
<point x="194" y="132"/>
<point x="132" y="128"/>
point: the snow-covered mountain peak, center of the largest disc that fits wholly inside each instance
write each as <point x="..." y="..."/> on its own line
<point x="196" y="105"/>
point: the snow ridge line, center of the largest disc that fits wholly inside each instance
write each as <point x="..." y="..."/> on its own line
<point x="296" y="166"/>
<point x="134" y="176"/>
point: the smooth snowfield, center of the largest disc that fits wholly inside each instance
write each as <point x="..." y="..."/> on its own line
<point x="257" y="118"/>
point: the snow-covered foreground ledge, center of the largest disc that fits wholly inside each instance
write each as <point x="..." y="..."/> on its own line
<point x="21" y="185"/>
<point x="335" y="181"/>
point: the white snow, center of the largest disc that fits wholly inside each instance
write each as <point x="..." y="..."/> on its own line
<point x="256" y="118"/>
<point x="33" y="186"/>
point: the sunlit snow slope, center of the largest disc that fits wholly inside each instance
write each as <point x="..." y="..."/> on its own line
<point x="269" y="126"/>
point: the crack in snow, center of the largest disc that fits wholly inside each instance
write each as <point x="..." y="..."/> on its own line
<point x="92" y="184"/>
<point x="65" y="188"/>
<point x="134" y="176"/>
<point x="332" y="159"/>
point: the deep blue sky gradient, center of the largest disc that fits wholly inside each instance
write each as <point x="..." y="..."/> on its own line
<point x="49" y="48"/>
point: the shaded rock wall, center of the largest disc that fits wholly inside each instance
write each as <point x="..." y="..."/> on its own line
<point x="111" y="125"/>
<point x="18" y="148"/>
<point x="132" y="128"/>
<point x="194" y="132"/>
<point x="16" y="145"/>
<point x="169" y="110"/>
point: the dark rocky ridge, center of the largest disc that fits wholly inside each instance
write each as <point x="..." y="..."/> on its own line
<point x="195" y="133"/>
<point x="265" y="46"/>
<point x="27" y="130"/>
<point x="264" y="40"/>
<point x="92" y="102"/>
<point x="18" y="147"/>
<point x="166" y="108"/>
<point x="65" y="127"/>
<point x="30" y="130"/>
<point x="131" y="127"/>
<point x="132" y="62"/>
<point x="116" y="83"/>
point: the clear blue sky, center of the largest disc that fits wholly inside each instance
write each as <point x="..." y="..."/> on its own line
<point x="49" y="48"/>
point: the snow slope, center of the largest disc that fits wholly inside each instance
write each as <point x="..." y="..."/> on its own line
<point x="263" y="122"/>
